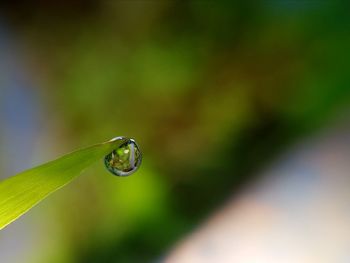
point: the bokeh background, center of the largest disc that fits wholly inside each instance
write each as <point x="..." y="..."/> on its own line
<point x="212" y="92"/>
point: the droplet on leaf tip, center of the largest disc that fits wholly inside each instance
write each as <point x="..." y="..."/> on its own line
<point x="124" y="160"/>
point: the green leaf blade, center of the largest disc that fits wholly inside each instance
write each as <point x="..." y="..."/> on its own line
<point x="24" y="190"/>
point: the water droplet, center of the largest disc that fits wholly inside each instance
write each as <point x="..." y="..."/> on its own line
<point x="125" y="160"/>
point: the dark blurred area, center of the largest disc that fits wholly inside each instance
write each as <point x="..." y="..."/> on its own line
<point x="212" y="92"/>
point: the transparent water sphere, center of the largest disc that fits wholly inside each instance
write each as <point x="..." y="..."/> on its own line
<point x="125" y="160"/>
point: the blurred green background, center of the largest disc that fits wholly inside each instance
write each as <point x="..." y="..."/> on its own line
<point x="212" y="92"/>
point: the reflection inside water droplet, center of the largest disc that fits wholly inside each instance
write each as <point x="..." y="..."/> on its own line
<point x="125" y="160"/>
